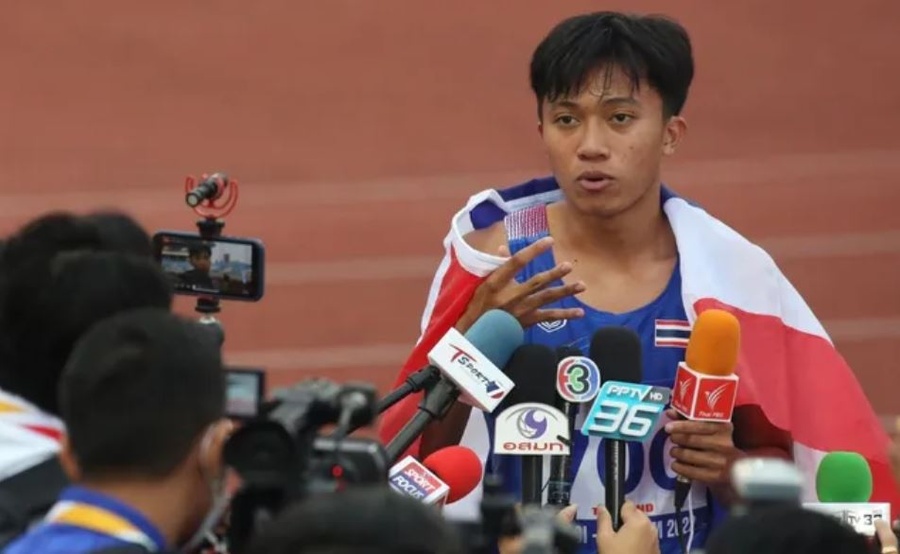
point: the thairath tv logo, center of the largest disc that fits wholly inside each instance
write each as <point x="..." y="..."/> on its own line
<point x="531" y="428"/>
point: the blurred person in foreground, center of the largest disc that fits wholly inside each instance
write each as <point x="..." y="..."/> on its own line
<point x="602" y="242"/>
<point x="637" y="535"/>
<point x="143" y="399"/>
<point x="795" y="530"/>
<point x="28" y="416"/>
<point x="53" y="302"/>
<point x="361" y="520"/>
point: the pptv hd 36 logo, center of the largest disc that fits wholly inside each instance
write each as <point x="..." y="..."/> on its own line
<point x="531" y="428"/>
<point x="468" y="361"/>
<point x="626" y="411"/>
<point x="577" y="379"/>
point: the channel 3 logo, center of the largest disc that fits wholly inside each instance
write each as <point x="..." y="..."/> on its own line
<point x="577" y="379"/>
<point x="625" y="411"/>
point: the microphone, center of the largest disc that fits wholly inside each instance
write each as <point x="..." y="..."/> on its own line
<point x="469" y="372"/>
<point x="844" y="488"/>
<point x="459" y="467"/>
<point x="209" y="188"/>
<point x="444" y="477"/>
<point x="529" y="425"/>
<point x="705" y="384"/>
<point x="577" y="381"/>
<point x="625" y="409"/>
<point x="420" y="379"/>
<point x="766" y="482"/>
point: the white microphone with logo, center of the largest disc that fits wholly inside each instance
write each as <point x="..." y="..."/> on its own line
<point x="468" y="373"/>
<point x="577" y="382"/>
<point x="528" y="424"/>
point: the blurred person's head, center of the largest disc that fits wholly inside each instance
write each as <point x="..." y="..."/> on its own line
<point x="143" y="400"/>
<point x="363" y="520"/>
<point x="785" y="530"/>
<point x="55" y="232"/>
<point x="52" y="302"/>
<point x="47" y="235"/>
<point x="122" y="233"/>
<point x="199" y="257"/>
<point x="610" y="88"/>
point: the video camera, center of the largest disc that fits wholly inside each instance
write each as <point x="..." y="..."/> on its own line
<point x="282" y="457"/>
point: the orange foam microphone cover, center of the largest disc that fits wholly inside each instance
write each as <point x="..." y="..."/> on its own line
<point x="714" y="343"/>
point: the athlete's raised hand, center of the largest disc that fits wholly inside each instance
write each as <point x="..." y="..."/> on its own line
<point x="526" y="300"/>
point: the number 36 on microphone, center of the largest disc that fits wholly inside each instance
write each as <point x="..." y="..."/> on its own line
<point x="626" y="411"/>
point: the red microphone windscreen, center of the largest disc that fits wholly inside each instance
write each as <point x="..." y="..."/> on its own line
<point x="457" y="466"/>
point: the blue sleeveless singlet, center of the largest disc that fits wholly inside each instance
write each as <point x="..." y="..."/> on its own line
<point x="664" y="331"/>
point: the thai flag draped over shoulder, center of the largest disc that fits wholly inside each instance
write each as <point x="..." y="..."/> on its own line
<point x="788" y="365"/>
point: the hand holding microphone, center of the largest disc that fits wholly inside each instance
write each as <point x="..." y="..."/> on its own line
<point x="624" y="410"/>
<point x="703" y="396"/>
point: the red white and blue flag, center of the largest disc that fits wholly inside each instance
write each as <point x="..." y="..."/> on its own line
<point x="671" y="333"/>
<point x="788" y="365"/>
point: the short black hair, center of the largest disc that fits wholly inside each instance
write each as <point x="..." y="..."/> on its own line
<point x="48" y="235"/>
<point x="196" y="249"/>
<point x="60" y="231"/>
<point x="650" y="48"/>
<point x="50" y="303"/>
<point x="121" y="232"/>
<point x="362" y="520"/>
<point x="140" y="389"/>
<point x="785" y="530"/>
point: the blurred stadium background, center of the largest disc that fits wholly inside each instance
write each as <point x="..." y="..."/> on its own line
<point x="356" y="128"/>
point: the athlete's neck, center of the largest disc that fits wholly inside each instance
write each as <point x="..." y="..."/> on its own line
<point x="166" y="503"/>
<point x="640" y="232"/>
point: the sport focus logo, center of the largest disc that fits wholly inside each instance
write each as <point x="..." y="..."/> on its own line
<point x="413" y="479"/>
<point x="415" y="482"/>
<point x="531" y="428"/>
<point x="577" y="379"/>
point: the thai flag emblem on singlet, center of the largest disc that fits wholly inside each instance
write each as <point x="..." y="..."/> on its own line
<point x="671" y="333"/>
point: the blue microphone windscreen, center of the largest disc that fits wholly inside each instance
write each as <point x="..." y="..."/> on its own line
<point x="496" y="334"/>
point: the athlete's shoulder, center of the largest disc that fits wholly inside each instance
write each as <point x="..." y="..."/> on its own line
<point x="489" y="239"/>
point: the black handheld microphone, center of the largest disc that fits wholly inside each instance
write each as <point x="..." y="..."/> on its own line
<point x="527" y="421"/>
<point x="209" y="188"/>
<point x="559" y="486"/>
<point x="617" y="351"/>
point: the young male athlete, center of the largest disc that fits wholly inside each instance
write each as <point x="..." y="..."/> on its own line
<point x="603" y="243"/>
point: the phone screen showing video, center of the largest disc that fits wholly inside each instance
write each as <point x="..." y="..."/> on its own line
<point x="228" y="268"/>
<point x="244" y="392"/>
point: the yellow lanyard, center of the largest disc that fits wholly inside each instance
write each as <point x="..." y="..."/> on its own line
<point x="99" y="520"/>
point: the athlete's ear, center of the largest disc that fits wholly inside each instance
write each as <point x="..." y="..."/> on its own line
<point x="540" y="127"/>
<point x="676" y="128"/>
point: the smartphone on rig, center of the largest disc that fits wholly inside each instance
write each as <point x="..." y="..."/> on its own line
<point x="245" y="391"/>
<point x="229" y="268"/>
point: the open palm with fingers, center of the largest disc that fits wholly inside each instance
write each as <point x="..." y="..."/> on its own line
<point x="526" y="301"/>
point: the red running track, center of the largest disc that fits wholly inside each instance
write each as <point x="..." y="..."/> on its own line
<point x="358" y="128"/>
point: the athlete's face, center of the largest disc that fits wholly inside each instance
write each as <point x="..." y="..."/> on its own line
<point x="606" y="143"/>
<point x="200" y="261"/>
